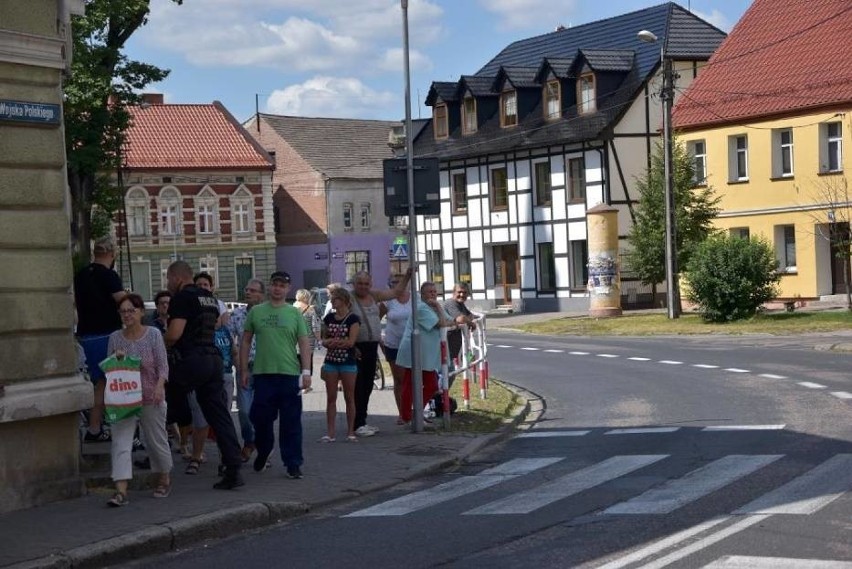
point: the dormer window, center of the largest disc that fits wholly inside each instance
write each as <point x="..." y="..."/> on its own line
<point x="440" y="120"/>
<point x="469" y="116"/>
<point x="509" y="108"/>
<point x="586" y="94"/>
<point x="552" y="101"/>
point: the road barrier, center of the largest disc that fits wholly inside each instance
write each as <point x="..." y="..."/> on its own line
<point x="473" y="362"/>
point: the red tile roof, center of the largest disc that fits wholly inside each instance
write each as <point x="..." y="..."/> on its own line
<point x="195" y="137"/>
<point x="783" y="56"/>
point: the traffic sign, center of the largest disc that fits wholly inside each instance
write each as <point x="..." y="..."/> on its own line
<point x="400" y="251"/>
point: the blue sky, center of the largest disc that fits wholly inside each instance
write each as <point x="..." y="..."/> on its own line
<point x="343" y="58"/>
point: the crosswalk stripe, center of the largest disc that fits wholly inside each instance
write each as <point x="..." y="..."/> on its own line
<point x="713" y="428"/>
<point x="842" y="394"/>
<point x="809" y="492"/>
<point x="548" y="434"/>
<point x="642" y="431"/>
<point x="694" y="485"/>
<point x="456" y="488"/>
<point x="811" y="385"/>
<point x="568" y="485"/>
<point x="749" y="562"/>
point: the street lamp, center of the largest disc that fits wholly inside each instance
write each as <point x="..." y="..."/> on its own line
<point x="667" y="96"/>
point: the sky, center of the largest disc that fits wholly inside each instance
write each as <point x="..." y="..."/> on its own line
<point x="344" y="58"/>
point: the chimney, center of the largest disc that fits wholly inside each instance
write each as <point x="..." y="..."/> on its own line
<point x="152" y="98"/>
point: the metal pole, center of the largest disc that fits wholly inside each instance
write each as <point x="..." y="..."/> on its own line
<point x="672" y="290"/>
<point x="416" y="364"/>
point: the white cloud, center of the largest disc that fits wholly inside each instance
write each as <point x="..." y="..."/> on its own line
<point x="393" y="61"/>
<point x="324" y="96"/>
<point x="716" y="18"/>
<point x="522" y="14"/>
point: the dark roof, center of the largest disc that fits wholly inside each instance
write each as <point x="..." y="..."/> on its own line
<point x="445" y="90"/>
<point x="609" y="59"/>
<point x="783" y="56"/>
<point x="479" y="86"/>
<point x="337" y="148"/>
<point x="519" y="77"/>
<point x="611" y="45"/>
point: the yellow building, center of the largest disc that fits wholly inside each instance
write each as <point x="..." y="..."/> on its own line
<point x="768" y="134"/>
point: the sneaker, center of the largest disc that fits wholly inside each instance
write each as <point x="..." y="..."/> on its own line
<point x="366" y="431"/>
<point x="294" y="472"/>
<point x="118" y="500"/>
<point x="232" y="479"/>
<point x="101" y="437"/>
<point x="261" y="461"/>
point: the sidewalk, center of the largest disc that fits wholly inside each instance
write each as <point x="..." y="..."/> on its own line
<point x="84" y="532"/>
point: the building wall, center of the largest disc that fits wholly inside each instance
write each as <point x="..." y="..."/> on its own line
<point x="41" y="391"/>
<point x="766" y="201"/>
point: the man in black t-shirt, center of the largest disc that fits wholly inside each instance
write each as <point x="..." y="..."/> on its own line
<point x="97" y="290"/>
<point x="197" y="363"/>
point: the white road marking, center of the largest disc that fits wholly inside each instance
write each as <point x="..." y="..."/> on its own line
<point x="549" y="434"/>
<point x="635" y="359"/>
<point x="705" y="366"/>
<point x="664" y="544"/>
<point x="705" y="542"/>
<point x="671" y="362"/>
<point x="502" y="346"/>
<point x="456" y="488"/>
<point x="530" y="349"/>
<point x="568" y="485"/>
<point x="579" y="353"/>
<point x="842" y="394"/>
<point x="748" y="562"/>
<point x="554" y="351"/>
<point x="607" y="355"/>
<point x="676" y="493"/>
<point x="811" y="385"/>
<point x="809" y="492"/>
<point x="736" y="370"/>
<point x="642" y="430"/>
<point x="773" y="376"/>
<point x="712" y="428"/>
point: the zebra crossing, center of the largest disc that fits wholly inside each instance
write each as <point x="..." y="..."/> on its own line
<point x="805" y="494"/>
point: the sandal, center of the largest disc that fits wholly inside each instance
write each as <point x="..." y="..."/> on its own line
<point x="118" y="500"/>
<point x="327" y="439"/>
<point x="163" y="491"/>
<point x="352" y="439"/>
<point x="193" y="467"/>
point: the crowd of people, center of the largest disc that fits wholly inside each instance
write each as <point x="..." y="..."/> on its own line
<point x="195" y="356"/>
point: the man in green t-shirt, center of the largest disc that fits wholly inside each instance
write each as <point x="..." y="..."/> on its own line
<point x="277" y="329"/>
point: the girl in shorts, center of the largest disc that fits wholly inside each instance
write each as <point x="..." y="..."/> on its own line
<point x="339" y="333"/>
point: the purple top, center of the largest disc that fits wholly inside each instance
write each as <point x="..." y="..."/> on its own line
<point x="151" y="349"/>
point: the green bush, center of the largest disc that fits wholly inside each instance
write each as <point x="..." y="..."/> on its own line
<point x="729" y="277"/>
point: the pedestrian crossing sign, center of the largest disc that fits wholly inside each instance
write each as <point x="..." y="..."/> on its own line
<point x="400" y="251"/>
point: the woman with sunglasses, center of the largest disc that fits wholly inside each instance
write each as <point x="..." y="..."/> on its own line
<point x="145" y="343"/>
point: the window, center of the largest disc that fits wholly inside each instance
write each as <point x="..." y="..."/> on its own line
<point x="552" y="101"/>
<point x="541" y="179"/>
<point x="210" y="265"/>
<point x="365" y="216"/>
<point x="740" y="232"/>
<point x="509" y="108"/>
<point x="579" y="264"/>
<point x="469" y="125"/>
<point x="586" y="94"/>
<point x="831" y="147"/>
<point x="546" y="267"/>
<point x="169" y="210"/>
<point x="785" y="247"/>
<point x="499" y="189"/>
<point x="347" y="217"/>
<point x="240" y="214"/>
<point x="356" y="261"/>
<point x="698" y="150"/>
<point x="242" y="206"/>
<point x="435" y="266"/>
<point x="137" y="210"/>
<point x="206" y="219"/>
<point x="738" y="158"/>
<point x="782" y="153"/>
<point x="576" y="179"/>
<point x="463" y="265"/>
<point x="459" y="192"/>
<point x="440" y="121"/>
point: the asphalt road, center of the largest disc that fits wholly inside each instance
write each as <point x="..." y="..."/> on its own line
<point x="707" y="452"/>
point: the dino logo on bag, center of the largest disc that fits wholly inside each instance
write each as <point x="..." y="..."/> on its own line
<point x="123" y="394"/>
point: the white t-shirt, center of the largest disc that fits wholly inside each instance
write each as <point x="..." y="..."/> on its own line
<point x="397" y="315"/>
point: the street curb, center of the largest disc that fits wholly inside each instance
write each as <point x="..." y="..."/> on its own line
<point x="179" y="534"/>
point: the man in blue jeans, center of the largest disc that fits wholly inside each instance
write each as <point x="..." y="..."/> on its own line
<point x="255" y="293"/>
<point x="277" y="328"/>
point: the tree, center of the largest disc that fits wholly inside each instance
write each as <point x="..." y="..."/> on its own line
<point x="102" y="84"/>
<point x="694" y="211"/>
<point x="729" y="278"/>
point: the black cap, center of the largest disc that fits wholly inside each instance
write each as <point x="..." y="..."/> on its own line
<point x="280" y="276"/>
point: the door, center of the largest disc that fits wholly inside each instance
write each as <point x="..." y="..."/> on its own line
<point x="244" y="272"/>
<point x="840" y="238"/>
<point x="506" y="269"/>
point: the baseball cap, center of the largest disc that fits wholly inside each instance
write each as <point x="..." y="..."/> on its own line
<point x="280" y="276"/>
